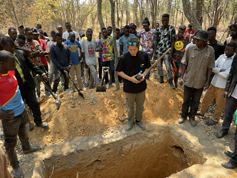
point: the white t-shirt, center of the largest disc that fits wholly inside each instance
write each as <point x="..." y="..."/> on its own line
<point x="66" y="35"/>
<point x="89" y="49"/>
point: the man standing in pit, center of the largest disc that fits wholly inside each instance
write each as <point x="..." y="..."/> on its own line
<point x="133" y="67"/>
<point x="165" y="35"/>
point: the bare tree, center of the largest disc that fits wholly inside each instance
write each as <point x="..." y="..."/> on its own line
<point x="190" y="16"/>
<point x="114" y="42"/>
<point x="99" y="2"/>
<point x="199" y="5"/>
<point x="13" y="9"/>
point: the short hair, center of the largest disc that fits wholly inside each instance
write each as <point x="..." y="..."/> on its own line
<point x="21" y="37"/>
<point x="126" y="27"/>
<point x="39" y="25"/>
<point x="103" y="29"/>
<point x="40" y="30"/>
<point x="10" y="29"/>
<point x="99" y="33"/>
<point x="233" y="26"/>
<point x="117" y="30"/>
<point x="189" y="25"/>
<point x="165" y="15"/>
<point x="58" y="35"/>
<point x="211" y="28"/>
<point x="157" y="23"/>
<point x="5" y="55"/>
<point x="27" y="30"/>
<point x="109" y="27"/>
<point x="232" y="44"/>
<point x="89" y="30"/>
<point x="182" y="27"/>
<point x="6" y="40"/>
<point x="53" y="32"/>
<point x="71" y="33"/>
<point x="67" y="23"/>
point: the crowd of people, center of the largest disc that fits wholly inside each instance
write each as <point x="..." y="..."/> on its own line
<point x="196" y="60"/>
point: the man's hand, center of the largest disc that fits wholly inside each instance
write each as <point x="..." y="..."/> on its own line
<point x="143" y="77"/>
<point x="225" y="95"/>
<point x="66" y="68"/>
<point x="79" y="59"/>
<point x="134" y="80"/>
<point x="181" y="81"/>
<point x="86" y="66"/>
<point x="6" y="114"/>
<point x="206" y="85"/>
<point x="222" y="70"/>
<point x="45" y="78"/>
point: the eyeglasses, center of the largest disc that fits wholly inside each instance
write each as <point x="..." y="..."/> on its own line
<point x="132" y="43"/>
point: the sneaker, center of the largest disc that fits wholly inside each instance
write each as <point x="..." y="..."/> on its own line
<point x="221" y="134"/>
<point x="55" y="94"/>
<point x="113" y="84"/>
<point x="31" y="126"/>
<point x="67" y="91"/>
<point x="141" y="125"/>
<point x="107" y="85"/>
<point x="199" y="113"/>
<point x="17" y="172"/>
<point x="71" y="91"/>
<point x="211" y="122"/>
<point x="83" y="89"/>
<point x="43" y="125"/>
<point x="32" y="149"/>
<point x="181" y="120"/>
<point x="192" y="121"/>
<point x="129" y="125"/>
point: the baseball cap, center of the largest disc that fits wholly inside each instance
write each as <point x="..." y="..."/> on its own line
<point x="59" y="26"/>
<point x="81" y="33"/>
<point x="132" y="25"/>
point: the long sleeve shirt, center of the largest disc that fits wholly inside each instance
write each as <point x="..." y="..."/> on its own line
<point x="220" y="78"/>
<point x="61" y="56"/>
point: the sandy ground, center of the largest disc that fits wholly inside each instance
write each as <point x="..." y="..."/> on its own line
<point x="99" y="113"/>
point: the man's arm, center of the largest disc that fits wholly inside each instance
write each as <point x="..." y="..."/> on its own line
<point x="32" y="66"/>
<point x="172" y="48"/>
<point x="206" y="86"/>
<point x="231" y="74"/>
<point x="131" y="79"/>
<point x="6" y="114"/>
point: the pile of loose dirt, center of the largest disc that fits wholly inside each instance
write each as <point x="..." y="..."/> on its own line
<point x="99" y="112"/>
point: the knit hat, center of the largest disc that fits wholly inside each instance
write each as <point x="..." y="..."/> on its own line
<point x="146" y="21"/>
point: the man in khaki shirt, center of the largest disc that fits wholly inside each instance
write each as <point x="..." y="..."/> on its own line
<point x="198" y="62"/>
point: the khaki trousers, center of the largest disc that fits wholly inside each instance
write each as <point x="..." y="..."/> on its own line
<point x="211" y="94"/>
<point x="131" y="100"/>
<point x="76" y="69"/>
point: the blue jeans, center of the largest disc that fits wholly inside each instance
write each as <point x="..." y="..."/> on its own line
<point x="230" y="108"/>
<point x="111" y="66"/>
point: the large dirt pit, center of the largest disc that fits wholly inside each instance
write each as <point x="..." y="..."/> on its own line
<point x="155" y="154"/>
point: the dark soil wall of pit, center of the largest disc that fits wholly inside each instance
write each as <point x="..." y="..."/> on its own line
<point x="137" y="156"/>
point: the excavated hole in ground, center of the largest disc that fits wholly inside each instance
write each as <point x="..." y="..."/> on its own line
<point x="137" y="156"/>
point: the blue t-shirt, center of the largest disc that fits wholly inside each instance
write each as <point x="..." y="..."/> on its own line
<point x="123" y="42"/>
<point x="73" y="47"/>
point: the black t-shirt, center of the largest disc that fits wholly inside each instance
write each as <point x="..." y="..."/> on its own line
<point x="132" y="65"/>
<point x="219" y="49"/>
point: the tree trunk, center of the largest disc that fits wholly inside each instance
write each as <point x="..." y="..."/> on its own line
<point x="169" y="6"/>
<point x="13" y="9"/>
<point x="135" y="11"/>
<point x="127" y="12"/>
<point x="199" y="4"/>
<point x="117" y="6"/>
<point x="190" y="16"/>
<point x="99" y="11"/>
<point x="216" y="12"/>
<point x="114" y="42"/>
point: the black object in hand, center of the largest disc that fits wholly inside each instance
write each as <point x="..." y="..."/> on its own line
<point x="139" y="77"/>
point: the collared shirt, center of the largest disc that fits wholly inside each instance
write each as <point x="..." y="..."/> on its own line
<point x="220" y="78"/>
<point x="148" y="39"/>
<point x="198" y="61"/>
<point x="34" y="46"/>
<point x="165" y="35"/>
<point x="19" y="68"/>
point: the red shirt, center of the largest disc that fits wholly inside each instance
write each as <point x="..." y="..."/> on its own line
<point x="43" y="47"/>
